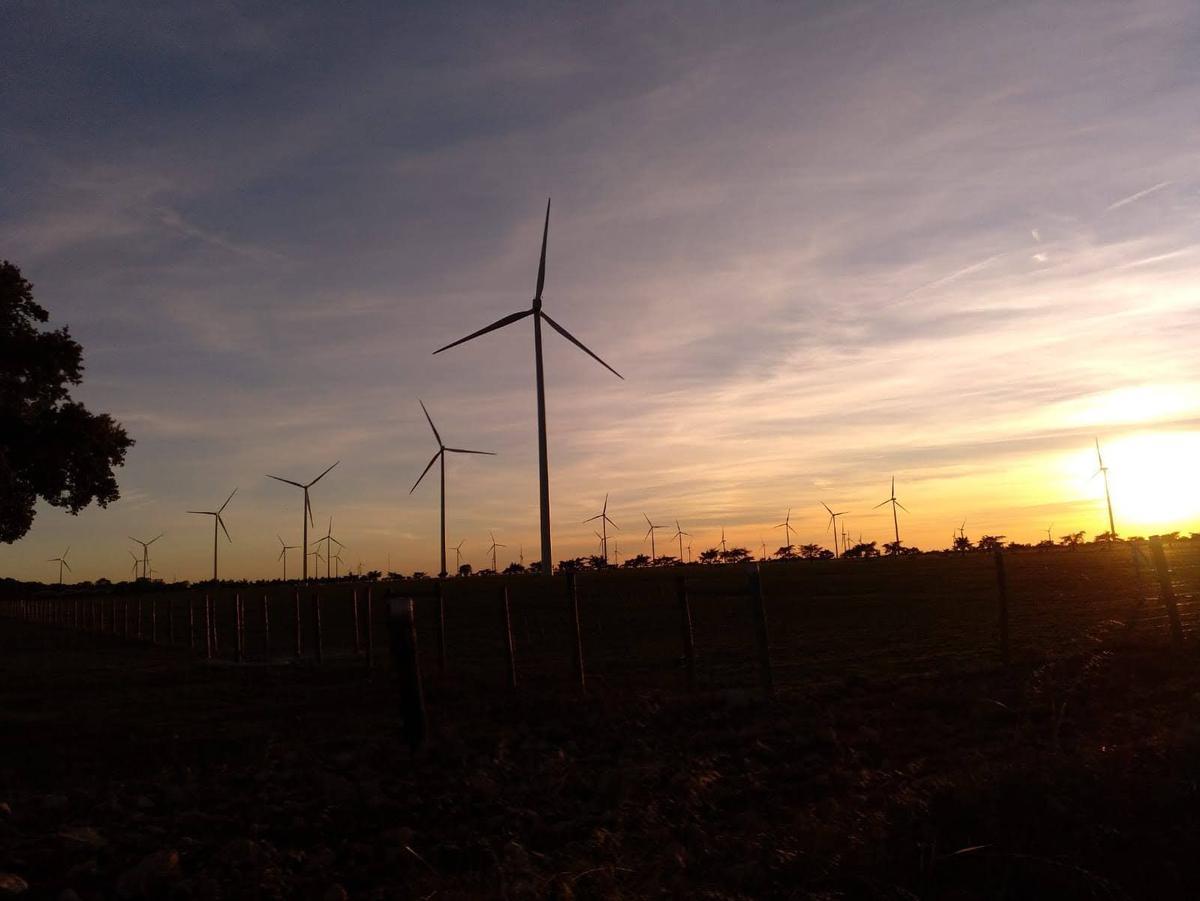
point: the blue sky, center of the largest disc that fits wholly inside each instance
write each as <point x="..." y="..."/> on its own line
<point x="824" y="243"/>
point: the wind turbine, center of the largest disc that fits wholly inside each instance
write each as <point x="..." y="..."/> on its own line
<point x="315" y="553"/>
<point x="337" y="567"/>
<point x="1103" y="470"/>
<point x="535" y="310"/>
<point x="61" y="561"/>
<point x="493" y="550"/>
<point x="306" y="516"/>
<point x="217" y="521"/>
<point x="833" y="525"/>
<point x="283" y="549"/>
<point x="786" y="525"/>
<point x="329" y="542"/>
<point x="458" y="556"/>
<point x="605" y="522"/>
<point x="895" y="503"/>
<point x="679" y="533"/>
<point x="136" y="564"/>
<point x="723" y="548"/>
<point x="441" y="455"/>
<point x="650" y="533"/>
<point x="146" y="552"/>
<point x="1050" y="537"/>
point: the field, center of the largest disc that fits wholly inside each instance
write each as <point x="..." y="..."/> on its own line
<point x="897" y="758"/>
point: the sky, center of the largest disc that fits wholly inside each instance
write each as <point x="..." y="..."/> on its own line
<point x="825" y="244"/>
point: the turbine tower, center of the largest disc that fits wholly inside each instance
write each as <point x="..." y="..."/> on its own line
<point x="895" y="503"/>
<point x="441" y="455"/>
<point x="605" y="522"/>
<point x="535" y="310"/>
<point x="283" y="549"/>
<point x="833" y="524"/>
<point x="146" y="552"/>
<point x="306" y="516"/>
<point x="61" y="561"/>
<point x="217" y="521"/>
<point x="786" y="525"/>
<point x="493" y="550"/>
<point x="650" y="534"/>
<point x="1103" y="470"/>
<point x="679" y="533"/>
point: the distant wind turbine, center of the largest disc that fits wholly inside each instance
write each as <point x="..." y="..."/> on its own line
<point x="330" y="541"/>
<point x="61" y="561"/>
<point x="306" y="516"/>
<point x="833" y="524"/>
<point x="283" y="549"/>
<point x="679" y="533"/>
<point x="650" y="535"/>
<point x="1103" y="470"/>
<point x="1049" y="536"/>
<point x="493" y="550"/>
<point x="136" y="563"/>
<point x="786" y="525"/>
<point x="146" y="552"/>
<point x="605" y="522"/>
<point x="458" y="556"/>
<point x="441" y="455"/>
<point x="895" y="503"/>
<point x="217" y="521"/>
<point x="723" y="548"/>
<point x="535" y="310"/>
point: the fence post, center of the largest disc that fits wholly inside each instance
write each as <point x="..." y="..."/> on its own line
<point x="266" y="628"/>
<point x="357" y="633"/>
<point x="171" y="620"/>
<point x="239" y="625"/>
<point x="370" y="634"/>
<point x="154" y="621"/>
<point x="1166" y="590"/>
<point x="1002" y="588"/>
<point x="402" y="631"/>
<point x="208" y="632"/>
<point x="762" y="635"/>
<point x="317" y="625"/>
<point x="508" y="639"/>
<point x="686" y="631"/>
<point x="191" y="599"/>
<point x="216" y="635"/>
<point x="139" y="618"/>
<point x="573" y="597"/>
<point x="441" y="626"/>
<point x="299" y="641"/>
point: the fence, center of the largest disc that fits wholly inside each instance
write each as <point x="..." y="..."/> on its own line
<point x="763" y="627"/>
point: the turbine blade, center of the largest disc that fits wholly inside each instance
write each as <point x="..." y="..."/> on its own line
<point x="281" y="553"/>
<point x="221" y="523"/>
<point x="221" y="509"/>
<point x="66" y="564"/>
<point x="902" y="507"/>
<point x="289" y="481"/>
<point x="280" y="537"/>
<point x="597" y="516"/>
<point x="460" y="450"/>
<point x="562" y="331"/>
<point x="155" y="538"/>
<point x="542" y="264"/>
<point x="499" y="323"/>
<point x="427" y="468"/>
<point x="200" y="513"/>
<point x="308" y="508"/>
<point x="611" y="523"/>
<point x="877" y="506"/>
<point x="826" y="506"/>
<point x="322" y="475"/>
<point x="335" y="541"/>
<point x="430" y="419"/>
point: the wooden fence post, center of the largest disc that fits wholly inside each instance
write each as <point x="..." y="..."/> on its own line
<point x="1002" y="588"/>
<point x="299" y="640"/>
<point x="762" y="635"/>
<point x="441" y="626"/>
<point x="240" y="625"/>
<point x="370" y="633"/>
<point x="216" y="634"/>
<point x="573" y="599"/>
<point x="508" y="639"/>
<point x="191" y="599"/>
<point x="171" y="621"/>
<point x="208" y="632"/>
<point x="266" y="628"/>
<point x="686" y="630"/>
<point x="402" y="631"/>
<point x="1166" y="590"/>
<point x="357" y="633"/>
<point x="154" y="620"/>
<point x="139" y="618"/>
<point x="317" y="625"/>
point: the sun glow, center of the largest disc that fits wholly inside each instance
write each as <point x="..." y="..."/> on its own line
<point x="1153" y="477"/>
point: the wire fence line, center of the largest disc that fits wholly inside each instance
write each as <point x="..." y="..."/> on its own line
<point x="757" y="627"/>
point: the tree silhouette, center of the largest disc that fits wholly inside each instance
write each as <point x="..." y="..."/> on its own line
<point x="962" y="544"/>
<point x="465" y="569"/>
<point x="50" y="446"/>
<point x="712" y="555"/>
<point x="514" y="569"/>
<point x="863" y="549"/>
<point x="991" y="542"/>
<point x="736" y="555"/>
<point x="813" y="552"/>
<point x="787" y="552"/>
<point x="893" y="548"/>
<point x="1072" y="540"/>
<point x="636" y="562"/>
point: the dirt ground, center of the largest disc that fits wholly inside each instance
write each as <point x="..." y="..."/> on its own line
<point x="129" y="771"/>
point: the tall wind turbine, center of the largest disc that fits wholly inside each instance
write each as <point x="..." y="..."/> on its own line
<point x="650" y="534"/>
<point x="1049" y="530"/>
<point x="1103" y="470"/>
<point x="441" y="455"/>
<point x="217" y="521"/>
<point x="786" y="525"/>
<point x="723" y="548"/>
<point x="605" y="522"/>
<point x="306" y="516"/>
<point x="458" y="556"/>
<point x="535" y="310"/>
<point x="493" y="550"/>
<point x="833" y="524"/>
<point x="283" y="549"/>
<point x="330" y="541"/>
<point x="895" y="503"/>
<point x="146" y="552"/>
<point x="61" y="561"/>
<point x="679" y="533"/>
